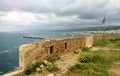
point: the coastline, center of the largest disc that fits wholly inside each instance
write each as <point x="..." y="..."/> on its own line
<point x="39" y="51"/>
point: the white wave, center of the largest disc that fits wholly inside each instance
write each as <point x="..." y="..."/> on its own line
<point x="16" y="47"/>
<point x="5" y="51"/>
<point x="1" y="72"/>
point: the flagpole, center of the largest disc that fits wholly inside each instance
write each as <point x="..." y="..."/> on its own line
<point x="104" y="28"/>
<point x="103" y="22"/>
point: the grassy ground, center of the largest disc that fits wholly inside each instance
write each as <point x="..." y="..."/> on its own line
<point x="112" y="44"/>
<point x="102" y="61"/>
<point x="96" y="63"/>
<point x="43" y="67"/>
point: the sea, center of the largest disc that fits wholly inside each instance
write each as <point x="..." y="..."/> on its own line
<point x="10" y="42"/>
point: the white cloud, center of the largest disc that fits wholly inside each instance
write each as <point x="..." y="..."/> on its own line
<point x="53" y="18"/>
<point x="57" y="14"/>
<point x="18" y="18"/>
<point x="22" y="20"/>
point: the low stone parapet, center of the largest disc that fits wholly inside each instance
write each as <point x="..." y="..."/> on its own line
<point x="18" y="72"/>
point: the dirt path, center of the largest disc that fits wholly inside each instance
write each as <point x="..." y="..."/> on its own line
<point x="103" y="48"/>
<point x="63" y="63"/>
<point x="66" y="61"/>
<point x="115" y="70"/>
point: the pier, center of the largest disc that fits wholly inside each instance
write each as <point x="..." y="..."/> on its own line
<point x="37" y="37"/>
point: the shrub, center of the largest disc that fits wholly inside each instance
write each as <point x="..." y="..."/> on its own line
<point x="85" y="49"/>
<point x="51" y="67"/>
<point x="72" y="68"/>
<point x="82" y="66"/>
<point x="28" y="72"/>
<point x="32" y="68"/>
<point x="113" y="40"/>
<point x="89" y="57"/>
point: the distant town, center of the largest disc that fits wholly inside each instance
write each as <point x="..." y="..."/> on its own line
<point x="103" y="32"/>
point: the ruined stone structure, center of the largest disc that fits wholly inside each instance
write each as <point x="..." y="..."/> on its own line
<point x="31" y="53"/>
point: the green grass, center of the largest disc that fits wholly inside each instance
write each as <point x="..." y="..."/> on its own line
<point x="96" y="63"/>
<point x="87" y="57"/>
<point x="48" y="66"/>
<point x="32" y="68"/>
<point x="51" y="67"/>
<point x="85" y="49"/>
<point x="101" y="43"/>
<point x="113" y="44"/>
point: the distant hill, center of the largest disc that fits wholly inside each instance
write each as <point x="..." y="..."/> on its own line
<point x="101" y="28"/>
<point x="91" y="29"/>
<point x="78" y="29"/>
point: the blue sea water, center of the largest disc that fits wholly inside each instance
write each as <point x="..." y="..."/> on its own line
<point x="10" y="42"/>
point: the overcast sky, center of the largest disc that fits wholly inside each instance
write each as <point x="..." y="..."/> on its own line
<point x="18" y="15"/>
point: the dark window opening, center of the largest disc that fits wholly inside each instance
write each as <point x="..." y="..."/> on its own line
<point x="51" y="49"/>
<point x="65" y="45"/>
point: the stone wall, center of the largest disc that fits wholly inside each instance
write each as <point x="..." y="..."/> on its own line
<point x="19" y="72"/>
<point x="31" y="53"/>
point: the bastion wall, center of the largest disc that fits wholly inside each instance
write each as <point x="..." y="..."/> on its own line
<point x="29" y="54"/>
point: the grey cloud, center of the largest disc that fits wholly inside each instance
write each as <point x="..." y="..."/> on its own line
<point x="60" y="7"/>
<point x="88" y="12"/>
<point x="34" y="5"/>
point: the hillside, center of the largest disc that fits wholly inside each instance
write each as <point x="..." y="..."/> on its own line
<point x="91" y="29"/>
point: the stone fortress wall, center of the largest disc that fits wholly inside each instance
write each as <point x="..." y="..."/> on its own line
<point x="29" y="54"/>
